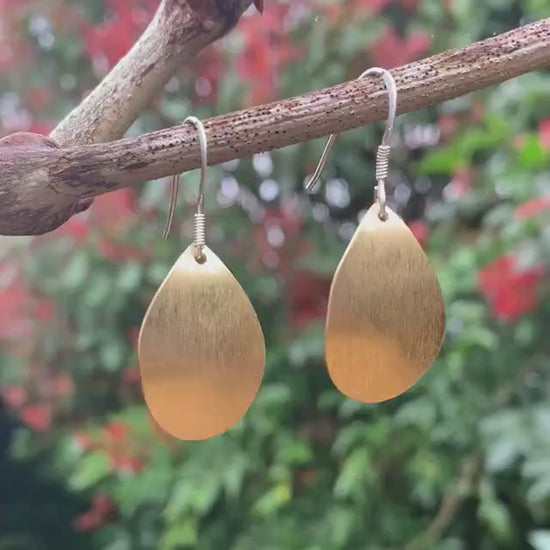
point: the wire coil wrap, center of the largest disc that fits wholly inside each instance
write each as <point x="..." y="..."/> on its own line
<point x="199" y="234"/>
<point x="382" y="162"/>
<point x="382" y="169"/>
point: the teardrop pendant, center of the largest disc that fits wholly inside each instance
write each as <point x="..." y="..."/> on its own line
<point x="201" y="349"/>
<point x="385" y="320"/>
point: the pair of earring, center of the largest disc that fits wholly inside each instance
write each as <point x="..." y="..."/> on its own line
<point x="201" y="347"/>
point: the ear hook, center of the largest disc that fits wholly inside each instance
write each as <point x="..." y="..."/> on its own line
<point x="383" y="153"/>
<point x="200" y="222"/>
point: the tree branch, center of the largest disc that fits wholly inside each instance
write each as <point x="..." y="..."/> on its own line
<point x="459" y="490"/>
<point x="36" y="180"/>
<point x="179" y="30"/>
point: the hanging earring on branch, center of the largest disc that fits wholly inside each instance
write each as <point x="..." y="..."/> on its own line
<point x="201" y="347"/>
<point x="385" y="319"/>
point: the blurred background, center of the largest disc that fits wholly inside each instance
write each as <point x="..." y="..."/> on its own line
<point x="461" y="461"/>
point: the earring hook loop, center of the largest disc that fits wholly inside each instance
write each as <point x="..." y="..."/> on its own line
<point x="383" y="154"/>
<point x="199" y="218"/>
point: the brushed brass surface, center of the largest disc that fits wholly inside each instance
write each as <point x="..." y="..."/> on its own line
<point x="385" y="320"/>
<point x="201" y="349"/>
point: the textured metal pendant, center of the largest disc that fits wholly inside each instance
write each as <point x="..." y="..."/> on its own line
<point x="386" y="317"/>
<point x="201" y="349"/>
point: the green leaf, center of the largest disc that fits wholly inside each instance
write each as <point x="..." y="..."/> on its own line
<point x="353" y="474"/>
<point x="349" y="437"/>
<point x="22" y="443"/>
<point x="461" y="152"/>
<point x="91" y="469"/>
<point x="98" y="290"/>
<point x="341" y="522"/>
<point x="129" y="277"/>
<point x="293" y="451"/>
<point x="494" y="513"/>
<point x="531" y="154"/>
<point x="112" y="355"/>
<point x="76" y="271"/>
<point x="180" y="534"/>
<point x="273" y="500"/>
<point x="233" y="476"/>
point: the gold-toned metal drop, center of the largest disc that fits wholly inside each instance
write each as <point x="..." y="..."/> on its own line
<point x="201" y="349"/>
<point x="386" y="319"/>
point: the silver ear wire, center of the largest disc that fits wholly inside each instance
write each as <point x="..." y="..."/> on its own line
<point x="199" y="226"/>
<point x="383" y="152"/>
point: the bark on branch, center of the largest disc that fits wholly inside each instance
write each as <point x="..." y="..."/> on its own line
<point x="179" y="30"/>
<point x="38" y="181"/>
<point x="31" y="204"/>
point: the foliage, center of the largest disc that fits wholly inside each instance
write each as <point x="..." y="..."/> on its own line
<point x="306" y="468"/>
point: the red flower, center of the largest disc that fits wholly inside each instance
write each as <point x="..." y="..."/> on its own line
<point x="115" y="37"/>
<point x="126" y="463"/>
<point x="373" y="6"/>
<point x="308" y="297"/>
<point x="101" y="508"/>
<point x="266" y="51"/>
<point x="209" y="70"/>
<point x="44" y="310"/>
<point x="112" y="209"/>
<point x="532" y="207"/>
<point x="511" y="292"/>
<point x="133" y="335"/>
<point x="15" y="322"/>
<point x="76" y="228"/>
<point x="15" y="51"/>
<point x="390" y="50"/>
<point x="116" y="431"/>
<point x="335" y="12"/>
<point x="119" y="252"/>
<point x="82" y="440"/>
<point x="14" y="396"/>
<point x="460" y="185"/>
<point x="61" y="386"/>
<point x="37" y="417"/>
<point x="131" y="376"/>
<point x="42" y="127"/>
<point x="19" y="309"/>
<point x="420" y="230"/>
<point x="447" y="124"/>
<point x="38" y="98"/>
<point x="544" y="133"/>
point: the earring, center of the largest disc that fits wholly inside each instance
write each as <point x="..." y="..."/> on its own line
<point x="385" y="319"/>
<point x="201" y="347"/>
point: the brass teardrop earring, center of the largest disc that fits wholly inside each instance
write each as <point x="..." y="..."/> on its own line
<point x="385" y="319"/>
<point x="201" y="348"/>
